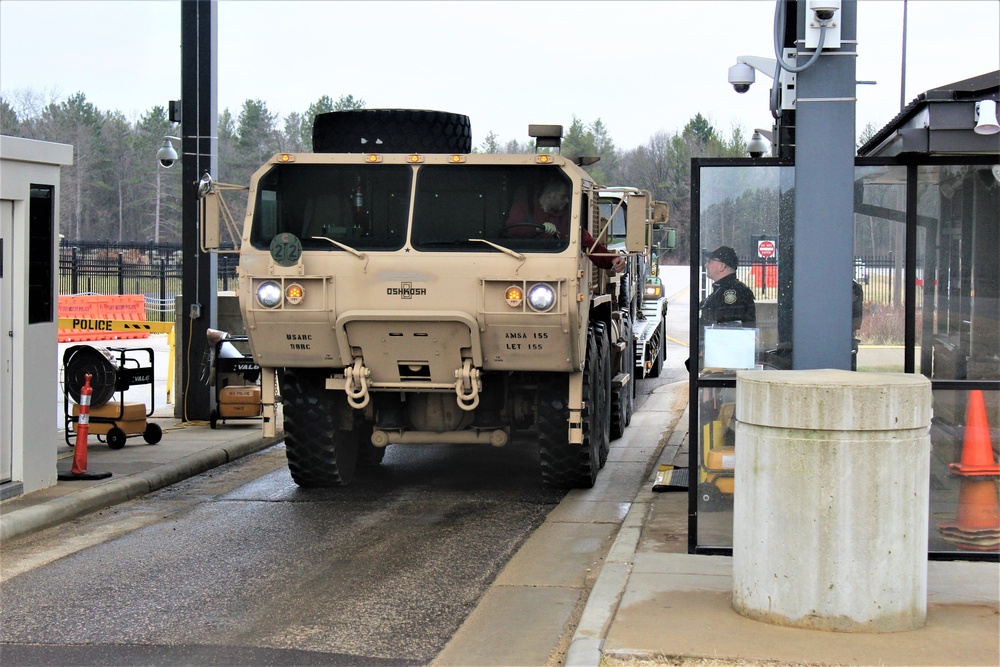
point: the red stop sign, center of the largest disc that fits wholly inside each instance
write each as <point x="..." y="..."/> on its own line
<point x="765" y="249"/>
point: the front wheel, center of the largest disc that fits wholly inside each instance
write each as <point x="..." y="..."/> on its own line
<point x="321" y="433"/>
<point x="565" y="465"/>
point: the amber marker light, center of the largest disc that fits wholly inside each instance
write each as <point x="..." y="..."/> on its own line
<point x="514" y="296"/>
<point x="285" y="157"/>
<point x="372" y="158"/>
<point x="543" y="159"/>
<point x="416" y="158"/>
<point x="294" y="293"/>
<point x="456" y="159"/>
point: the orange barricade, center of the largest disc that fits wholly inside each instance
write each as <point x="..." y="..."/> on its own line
<point x="764" y="275"/>
<point x="130" y="307"/>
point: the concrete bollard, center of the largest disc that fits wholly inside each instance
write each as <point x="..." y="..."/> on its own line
<point x="831" y="499"/>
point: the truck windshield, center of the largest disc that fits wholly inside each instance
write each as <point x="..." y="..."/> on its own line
<point x="362" y="206"/>
<point x="508" y="205"/>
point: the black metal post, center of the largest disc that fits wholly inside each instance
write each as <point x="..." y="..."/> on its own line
<point x="199" y="120"/>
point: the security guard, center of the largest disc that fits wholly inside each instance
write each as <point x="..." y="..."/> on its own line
<point x="730" y="300"/>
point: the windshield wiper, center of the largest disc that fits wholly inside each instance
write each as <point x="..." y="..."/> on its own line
<point x="516" y="255"/>
<point x="342" y="246"/>
<point x="360" y="255"/>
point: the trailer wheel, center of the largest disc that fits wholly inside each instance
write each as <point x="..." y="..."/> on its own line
<point x="391" y="131"/>
<point x="563" y="465"/>
<point x="709" y="497"/>
<point x="320" y="451"/>
<point x="153" y="433"/>
<point x="116" y="438"/>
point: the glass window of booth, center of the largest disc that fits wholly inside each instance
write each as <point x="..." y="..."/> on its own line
<point x="927" y="289"/>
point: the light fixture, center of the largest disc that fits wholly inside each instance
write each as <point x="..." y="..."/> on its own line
<point x="756" y="147"/>
<point x="269" y="294"/>
<point x="986" y="117"/>
<point x="541" y="297"/>
<point x="167" y="155"/>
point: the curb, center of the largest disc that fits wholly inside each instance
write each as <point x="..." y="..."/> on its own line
<point x="66" y="508"/>
<point x="585" y="648"/>
<point x="609" y="587"/>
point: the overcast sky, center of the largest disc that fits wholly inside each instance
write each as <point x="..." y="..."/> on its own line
<point x="640" y="67"/>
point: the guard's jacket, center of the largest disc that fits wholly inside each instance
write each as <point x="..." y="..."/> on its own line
<point x="730" y="301"/>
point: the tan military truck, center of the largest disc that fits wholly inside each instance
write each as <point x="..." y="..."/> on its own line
<point x="384" y="283"/>
<point x="649" y="322"/>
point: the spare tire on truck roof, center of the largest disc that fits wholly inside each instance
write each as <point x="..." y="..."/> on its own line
<point x="391" y="131"/>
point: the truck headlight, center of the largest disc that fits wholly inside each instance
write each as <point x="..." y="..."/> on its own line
<point x="541" y="297"/>
<point x="269" y="294"/>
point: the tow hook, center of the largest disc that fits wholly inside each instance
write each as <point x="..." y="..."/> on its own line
<point x="467" y="386"/>
<point x="357" y="376"/>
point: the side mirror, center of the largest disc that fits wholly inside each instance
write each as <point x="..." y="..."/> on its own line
<point x="209" y="214"/>
<point x="670" y="239"/>
<point x="637" y="229"/>
<point x="213" y="213"/>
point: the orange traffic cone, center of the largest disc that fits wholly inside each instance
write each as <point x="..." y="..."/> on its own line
<point x="977" y="451"/>
<point x="79" y="469"/>
<point x="977" y="522"/>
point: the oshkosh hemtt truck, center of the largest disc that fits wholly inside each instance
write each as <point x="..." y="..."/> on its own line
<point x="382" y="281"/>
<point x="649" y="324"/>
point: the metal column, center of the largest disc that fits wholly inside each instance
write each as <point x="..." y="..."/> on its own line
<point x="824" y="200"/>
<point x="199" y="123"/>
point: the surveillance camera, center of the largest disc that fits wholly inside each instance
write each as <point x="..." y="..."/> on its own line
<point x="741" y="76"/>
<point x="824" y="10"/>
<point x="166" y="156"/>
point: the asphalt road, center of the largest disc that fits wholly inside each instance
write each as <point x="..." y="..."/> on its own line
<point x="239" y="566"/>
<point x="242" y="560"/>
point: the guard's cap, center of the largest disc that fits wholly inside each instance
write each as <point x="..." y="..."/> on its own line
<point x="724" y="254"/>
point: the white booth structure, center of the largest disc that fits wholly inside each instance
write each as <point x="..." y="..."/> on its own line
<point x="29" y="238"/>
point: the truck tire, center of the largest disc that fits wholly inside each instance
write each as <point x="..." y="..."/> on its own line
<point x="369" y="456"/>
<point x="391" y="131"/>
<point x="623" y="398"/>
<point x="602" y="381"/>
<point x="563" y="465"/>
<point x="320" y="453"/>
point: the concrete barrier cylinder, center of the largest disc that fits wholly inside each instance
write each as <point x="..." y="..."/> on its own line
<point x="831" y="499"/>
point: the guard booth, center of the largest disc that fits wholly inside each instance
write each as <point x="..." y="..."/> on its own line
<point x="927" y="271"/>
<point x="29" y="237"/>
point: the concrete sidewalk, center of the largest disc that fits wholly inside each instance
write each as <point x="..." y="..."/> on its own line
<point x="653" y="602"/>
<point x="186" y="449"/>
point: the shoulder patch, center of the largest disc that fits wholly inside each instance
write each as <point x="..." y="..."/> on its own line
<point x="729" y="296"/>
